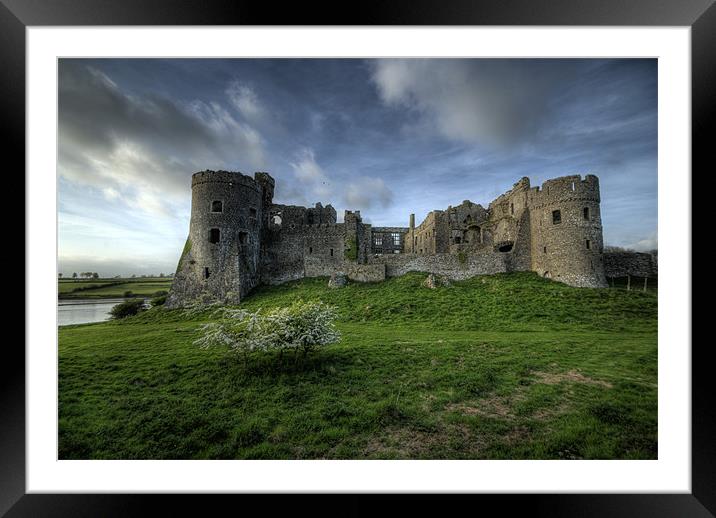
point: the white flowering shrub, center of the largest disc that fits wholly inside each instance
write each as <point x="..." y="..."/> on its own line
<point x="301" y="327"/>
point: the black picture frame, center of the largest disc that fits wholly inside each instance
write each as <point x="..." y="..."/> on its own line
<point x="700" y="15"/>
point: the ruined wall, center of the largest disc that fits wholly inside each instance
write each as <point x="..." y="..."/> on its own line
<point x="566" y="230"/>
<point x="286" y="247"/>
<point x="452" y="266"/>
<point x="314" y="267"/>
<point x="465" y="228"/>
<point x="637" y="264"/>
<point x="383" y="239"/>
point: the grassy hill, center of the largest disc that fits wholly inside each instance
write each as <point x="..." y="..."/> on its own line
<point x="505" y="366"/>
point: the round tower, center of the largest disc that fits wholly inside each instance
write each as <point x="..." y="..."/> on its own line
<point x="220" y="261"/>
<point x="566" y="228"/>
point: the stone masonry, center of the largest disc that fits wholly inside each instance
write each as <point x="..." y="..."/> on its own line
<point x="238" y="238"/>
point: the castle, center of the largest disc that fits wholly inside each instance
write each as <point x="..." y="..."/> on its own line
<point x="238" y="238"/>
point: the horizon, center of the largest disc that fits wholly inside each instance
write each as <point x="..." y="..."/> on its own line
<point x="388" y="137"/>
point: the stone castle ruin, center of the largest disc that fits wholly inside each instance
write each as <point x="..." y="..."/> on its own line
<point x="238" y="238"/>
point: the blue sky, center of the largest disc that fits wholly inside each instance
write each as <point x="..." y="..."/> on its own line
<point x="387" y="137"/>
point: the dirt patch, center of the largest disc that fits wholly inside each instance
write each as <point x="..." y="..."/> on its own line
<point x="410" y="444"/>
<point x="499" y="407"/>
<point x="573" y="376"/>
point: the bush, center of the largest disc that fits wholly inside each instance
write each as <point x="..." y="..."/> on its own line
<point x="160" y="293"/>
<point x="301" y="327"/>
<point x="128" y="294"/>
<point x="158" y="300"/>
<point x="127" y="308"/>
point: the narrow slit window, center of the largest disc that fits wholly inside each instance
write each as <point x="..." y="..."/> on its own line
<point x="243" y="238"/>
<point x="217" y="206"/>
<point x="207" y="273"/>
<point x="331" y="252"/>
<point x="512" y="208"/>
<point x="214" y="235"/>
<point x="544" y="250"/>
<point x="310" y="249"/>
<point x="586" y="213"/>
<point x="556" y="217"/>
<point x="587" y="244"/>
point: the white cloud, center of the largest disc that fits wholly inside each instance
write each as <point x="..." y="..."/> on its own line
<point x="141" y="150"/>
<point x="306" y="168"/>
<point x="245" y="100"/>
<point x="366" y="192"/>
<point x="646" y="244"/>
<point x="470" y="101"/>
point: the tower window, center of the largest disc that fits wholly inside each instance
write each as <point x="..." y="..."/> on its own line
<point x="310" y="249"/>
<point x="556" y="217"/>
<point x="331" y="252"/>
<point x="243" y="237"/>
<point x="512" y="208"/>
<point x="214" y="235"/>
<point x="544" y="250"/>
<point x="586" y="213"/>
<point x="206" y="273"/>
<point x="587" y="244"/>
<point x="217" y="206"/>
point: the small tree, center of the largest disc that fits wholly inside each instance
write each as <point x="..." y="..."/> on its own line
<point x="74" y="275"/>
<point x="60" y="274"/>
<point x="127" y="308"/>
<point x="95" y="275"/>
<point x="301" y="327"/>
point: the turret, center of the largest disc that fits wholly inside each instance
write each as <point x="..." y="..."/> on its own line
<point x="566" y="228"/>
<point x="221" y="258"/>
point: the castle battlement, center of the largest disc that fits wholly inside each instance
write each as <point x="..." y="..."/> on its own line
<point x="238" y="238"/>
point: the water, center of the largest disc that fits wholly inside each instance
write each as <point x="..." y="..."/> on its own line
<point x="83" y="311"/>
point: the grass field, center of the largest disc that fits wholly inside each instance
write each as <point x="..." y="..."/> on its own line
<point x="498" y="367"/>
<point x="111" y="288"/>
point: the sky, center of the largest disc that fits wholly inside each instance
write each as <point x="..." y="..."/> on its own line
<point x="388" y="137"/>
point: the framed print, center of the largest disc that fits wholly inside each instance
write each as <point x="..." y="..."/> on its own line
<point x="440" y="278"/>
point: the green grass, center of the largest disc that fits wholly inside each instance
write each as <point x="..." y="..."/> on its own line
<point x="111" y="288"/>
<point x="499" y="367"/>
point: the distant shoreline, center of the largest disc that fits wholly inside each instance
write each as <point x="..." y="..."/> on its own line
<point x="112" y="288"/>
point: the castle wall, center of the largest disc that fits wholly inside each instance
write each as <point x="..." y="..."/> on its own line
<point x="453" y="266"/>
<point x="287" y="247"/>
<point x="637" y="264"/>
<point x="387" y="240"/>
<point x="314" y="267"/>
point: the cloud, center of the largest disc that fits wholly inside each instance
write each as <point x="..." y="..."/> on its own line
<point x="366" y="192"/>
<point x="141" y="148"/>
<point x="245" y="100"/>
<point x="644" y="245"/>
<point x="489" y="102"/>
<point x="306" y="168"/>
<point x="311" y="175"/>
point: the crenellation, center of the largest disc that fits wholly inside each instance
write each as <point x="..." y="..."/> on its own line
<point x="239" y="238"/>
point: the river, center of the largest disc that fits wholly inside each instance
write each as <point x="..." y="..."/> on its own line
<point x="83" y="311"/>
